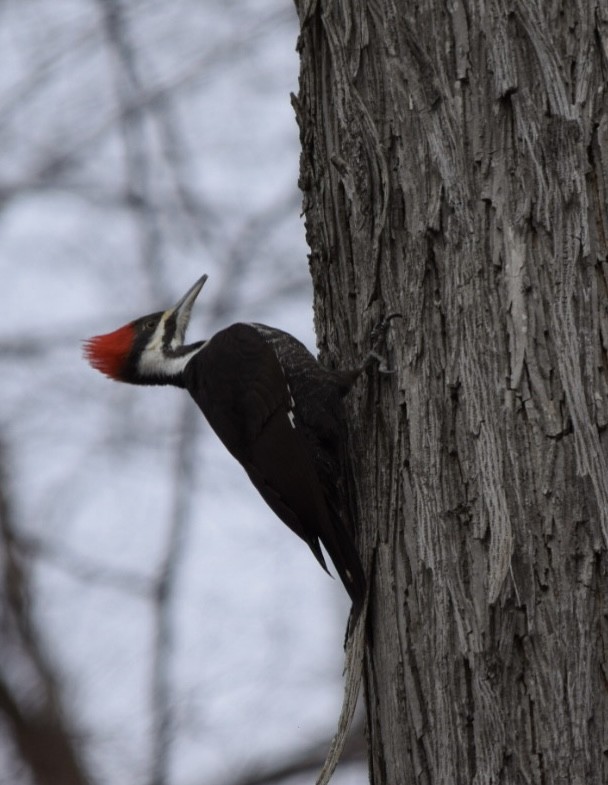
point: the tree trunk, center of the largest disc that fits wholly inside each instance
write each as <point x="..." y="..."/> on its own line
<point x="455" y="169"/>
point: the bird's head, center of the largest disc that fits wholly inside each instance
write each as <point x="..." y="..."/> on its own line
<point x="148" y="350"/>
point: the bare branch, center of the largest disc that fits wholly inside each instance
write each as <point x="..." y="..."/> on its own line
<point x="162" y="713"/>
<point x="84" y="569"/>
<point x="33" y="709"/>
<point x="129" y="89"/>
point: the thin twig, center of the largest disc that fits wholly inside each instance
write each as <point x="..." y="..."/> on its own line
<point x="129" y="90"/>
<point x="307" y="762"/>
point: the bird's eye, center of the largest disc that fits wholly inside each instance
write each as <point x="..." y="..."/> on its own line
<point x="149" y="325"/>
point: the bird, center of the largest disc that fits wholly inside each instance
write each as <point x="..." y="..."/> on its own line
<point x="275" y="408"/>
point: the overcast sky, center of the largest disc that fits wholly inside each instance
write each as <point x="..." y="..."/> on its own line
<point x="145" y="143"/>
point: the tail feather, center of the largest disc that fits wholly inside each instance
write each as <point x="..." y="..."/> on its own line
<point x="345" y="557"/>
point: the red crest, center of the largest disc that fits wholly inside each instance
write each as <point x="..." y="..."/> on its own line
<point x="108" y="353"/>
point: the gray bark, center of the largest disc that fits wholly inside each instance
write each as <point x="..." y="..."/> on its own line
<point x="455" y="169"/>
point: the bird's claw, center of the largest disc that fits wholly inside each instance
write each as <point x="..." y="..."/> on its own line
<point x="378" y="336"/>
<point x="382" y="364"/>
<point x="379" y="331"/>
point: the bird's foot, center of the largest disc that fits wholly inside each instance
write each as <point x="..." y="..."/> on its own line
<point x="378" y="336"/>
<point x="379" y="331"/>
<point x="374" y="357"/>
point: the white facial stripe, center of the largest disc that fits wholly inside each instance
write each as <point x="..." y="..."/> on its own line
<point x="155" y="343"/>
<point x="154" y="363"/>
<point x="178" y="335"/>
<point x="157" y="339"/>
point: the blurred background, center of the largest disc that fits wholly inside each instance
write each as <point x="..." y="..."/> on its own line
<point x="158" y="625"/>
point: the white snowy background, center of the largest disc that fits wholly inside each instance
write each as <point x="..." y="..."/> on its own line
<point x="143" y="143"/>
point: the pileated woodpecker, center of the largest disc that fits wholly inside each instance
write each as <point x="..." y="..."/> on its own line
<point x="270" y="402"/>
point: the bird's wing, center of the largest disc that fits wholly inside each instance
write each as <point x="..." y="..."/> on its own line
<point x="238" y="383"/>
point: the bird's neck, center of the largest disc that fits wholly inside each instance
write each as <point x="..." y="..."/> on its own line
<point x="167" y="367"/>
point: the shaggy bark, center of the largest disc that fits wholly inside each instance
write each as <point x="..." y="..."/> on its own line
<point x="455" y="169"/>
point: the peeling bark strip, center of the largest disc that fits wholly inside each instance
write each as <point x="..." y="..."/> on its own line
<point x="455" y="169"/>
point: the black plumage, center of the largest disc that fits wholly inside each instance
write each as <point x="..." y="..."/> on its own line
<point x="275" y="408"/>
<point x="279" y="413"/>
